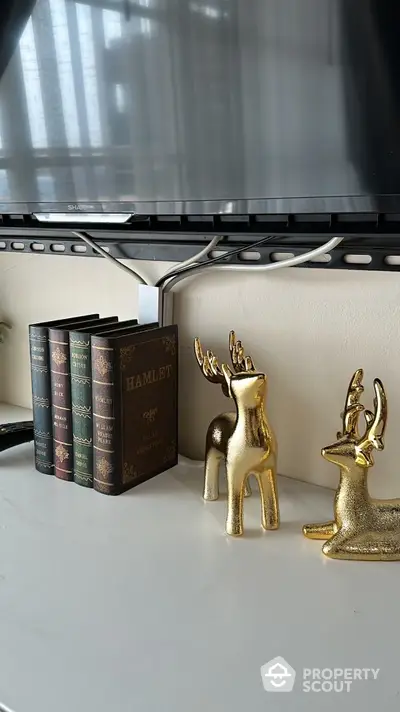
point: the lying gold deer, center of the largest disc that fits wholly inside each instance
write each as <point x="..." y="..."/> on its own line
<point x="243" y="439"/>
<point x="363" y="528"/>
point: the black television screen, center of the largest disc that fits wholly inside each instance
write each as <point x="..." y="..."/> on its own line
<point x="199" y="106"/>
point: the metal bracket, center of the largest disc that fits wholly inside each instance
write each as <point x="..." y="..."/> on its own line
<point x="365" y="253"/>
<point x="372" y="240"/>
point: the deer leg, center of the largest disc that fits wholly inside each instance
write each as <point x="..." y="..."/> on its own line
<point x="211" y="474"/>
<point x="269" y="498"/>
<point x="247" y="488"/>
<point x="335" y="548"/>
<point x="234" y="521"/>
<point x="320" y="531"/>
<point x="365" y="546"/>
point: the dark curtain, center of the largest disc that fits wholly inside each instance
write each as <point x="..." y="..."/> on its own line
<point x="13" y="18"/>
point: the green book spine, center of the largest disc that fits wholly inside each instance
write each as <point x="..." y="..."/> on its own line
<point x="41" y="398"/>
<point x="82" y="421"/>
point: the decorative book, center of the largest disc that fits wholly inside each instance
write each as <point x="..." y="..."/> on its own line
<point x="81" y="399"/>
<point x="61" y="397"/>
<point x="41" y="389"/>
<point x="135" y="406"/>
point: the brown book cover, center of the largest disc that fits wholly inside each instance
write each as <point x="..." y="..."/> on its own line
<point x="135" y="406"/>
<point x="60" y="379"/>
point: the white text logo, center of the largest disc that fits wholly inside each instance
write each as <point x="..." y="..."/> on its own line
<point x="278" y="676"/>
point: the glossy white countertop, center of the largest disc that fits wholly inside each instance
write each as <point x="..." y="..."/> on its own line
<point x="141" y="603"/>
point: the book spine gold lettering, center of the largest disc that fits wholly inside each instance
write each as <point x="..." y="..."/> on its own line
<point x="105" y="475"/>
<point x="41" y="398"/>
<point x="61" y="403"/>
<point x="81" y="400"/>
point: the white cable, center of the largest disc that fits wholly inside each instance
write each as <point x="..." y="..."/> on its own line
<point x="291" y="262"/>
<point x="196" y="258"/>
<point x="186" y="268"/>
<point x="104" y="253"/>
<point x="192" y="260"/>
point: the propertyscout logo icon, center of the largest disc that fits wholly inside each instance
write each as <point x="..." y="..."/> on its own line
<point x="278" y="676"/>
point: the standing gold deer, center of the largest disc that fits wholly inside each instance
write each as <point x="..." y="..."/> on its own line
<point x="243" y="439"/>
<point x="363" y="528"/>
<point x="209" y="368"/>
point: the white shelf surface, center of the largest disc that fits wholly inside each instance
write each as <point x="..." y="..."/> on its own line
<point x="141" y="603"/>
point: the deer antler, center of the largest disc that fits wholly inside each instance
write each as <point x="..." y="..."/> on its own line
<point x="352" y="406"/>
<point x="209" y="367"/>
<point x="240" y="362"/>
<point x="376" y="422"/>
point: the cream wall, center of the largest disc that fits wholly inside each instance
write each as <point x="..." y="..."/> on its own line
<point x="308" y="329"/>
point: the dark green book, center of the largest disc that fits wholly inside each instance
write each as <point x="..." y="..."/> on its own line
<point x="81" y="399"/>
<point x="81" y="396"/>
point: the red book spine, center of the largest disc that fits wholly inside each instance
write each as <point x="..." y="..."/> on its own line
<point x="61" y="403"/>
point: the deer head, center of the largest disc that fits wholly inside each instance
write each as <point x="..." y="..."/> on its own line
<point x="209" y="367"/>
<point x="352" y="448"/>
<point x="247" y="388"/>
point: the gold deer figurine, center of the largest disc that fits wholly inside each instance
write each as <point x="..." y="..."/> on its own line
<point x="363" y="528"/>
<point x="240" y="363"/>
<point x="243" y="439"/>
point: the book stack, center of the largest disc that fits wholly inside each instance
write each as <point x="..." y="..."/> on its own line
<point x="104" y="393"/>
